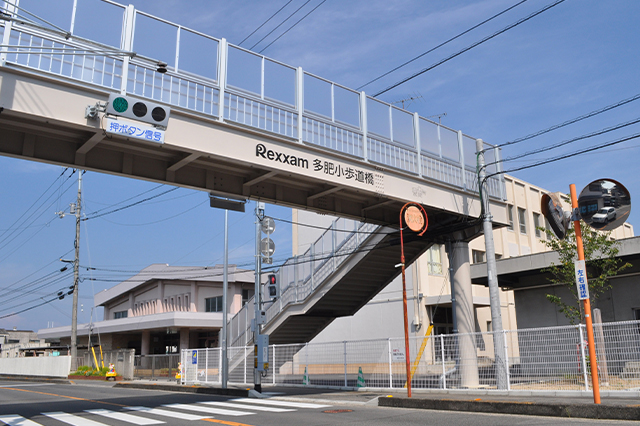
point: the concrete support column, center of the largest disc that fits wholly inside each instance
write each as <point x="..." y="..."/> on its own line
<point x="130" y="312"/>
<point x="184" y="339"/>
<point x="461" y="280"/>
<point x="159" y="306"/>
<point x="193" y="297"/>
<point x="146" y="341"/>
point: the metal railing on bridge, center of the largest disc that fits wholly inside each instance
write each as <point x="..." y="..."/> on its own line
<point x="218" y="80"/>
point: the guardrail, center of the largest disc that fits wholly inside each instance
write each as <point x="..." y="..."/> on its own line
<point x="209" y="76"/>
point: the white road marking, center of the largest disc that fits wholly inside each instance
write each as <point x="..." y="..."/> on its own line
<point x="129" y="418"/>
<point x="281" y="403"/>
<point x="248" y="407"/>
<point x="166" y="413"/>
<point x="210" y="410"/>
<point x="72" y="419"/>
<point x="16" y="420"/>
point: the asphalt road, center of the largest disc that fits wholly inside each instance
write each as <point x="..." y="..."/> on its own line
<point x="32" y="404"/>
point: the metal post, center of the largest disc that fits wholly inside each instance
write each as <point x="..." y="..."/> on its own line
<point x="222" y="76"/>
<point x="416" y="136"/>
<point x="225" y="284"/>
<point x="6" y="37"/>
<point x="586" y="304"/>
<point x="311" y="266"/>
<point x="390" y="365"/>
<point x="583" y="359"/>
<point x="344" y="343"/>
<point x="492" y="276"/>
<point x="462" y="165"/>
<point x="76" y="272"/>
<point x="363" y="126"/>
<point x="206" y="365"/>
<point x="127" y="45"/>
<point x="273" y="362"/>
<point x="444" y="369"/>
<point x="506" y="358"/>
<point x="256" y="374"/>
<point x="300" y="100"/>
<point x="245" y="364"/>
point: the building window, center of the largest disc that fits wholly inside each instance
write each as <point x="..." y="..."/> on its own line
<point x="213" y="304"/>
<point x="489" y="327"/>
<point x="510" y="217"/>
<point x="245" y="297"/>
<point x="478" y="256"/>
<point x="522" y="219"/>
<point x="536" y="224"/>
<point x="435" y="263"/>
<point x="121" y="314"/>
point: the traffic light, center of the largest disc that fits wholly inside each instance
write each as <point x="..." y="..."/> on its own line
<point x="138" y="109"/>
<point x="273" y="286"/>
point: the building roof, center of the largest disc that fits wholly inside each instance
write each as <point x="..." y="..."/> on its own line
<point x="162" y="271"/>
<point x="521" y="271"/>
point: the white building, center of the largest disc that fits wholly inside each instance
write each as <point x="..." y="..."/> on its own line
<point x="162" y="309"/>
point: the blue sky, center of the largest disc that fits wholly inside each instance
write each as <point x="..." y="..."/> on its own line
<point x="577" y="57"/>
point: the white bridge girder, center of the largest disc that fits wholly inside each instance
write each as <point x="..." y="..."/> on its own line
<point x="42" y="119"/>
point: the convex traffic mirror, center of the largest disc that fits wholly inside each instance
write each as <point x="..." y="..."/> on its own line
<point x="604" y="204"/>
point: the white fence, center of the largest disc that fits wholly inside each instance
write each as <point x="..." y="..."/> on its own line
<point x="47" y="366"/>
<point x="554" y="358"/>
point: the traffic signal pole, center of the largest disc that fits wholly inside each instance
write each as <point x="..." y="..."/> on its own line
<point x="587" y="304"/>
<point x="256" y="298"/>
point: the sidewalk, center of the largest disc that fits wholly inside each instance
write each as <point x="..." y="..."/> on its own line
<point x="614" y="405"/>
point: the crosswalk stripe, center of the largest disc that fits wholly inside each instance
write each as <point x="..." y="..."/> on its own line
<point x="280" y="403"/>
<point x="129" y="418"/>
<point x="166" y="413"/>
<point x="210" y="410"/>
<point x="72" y="419"/>
<point x="15" y="420"/>
<point x="248" y="407"/>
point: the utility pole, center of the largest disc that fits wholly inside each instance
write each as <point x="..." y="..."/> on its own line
<point x="501" y="363"/>
<point x="76" y="267"/>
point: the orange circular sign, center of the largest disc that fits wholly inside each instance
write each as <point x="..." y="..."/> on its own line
<point x="414" y="218"/>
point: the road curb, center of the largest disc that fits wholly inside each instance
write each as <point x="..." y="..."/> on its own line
<point x="585" y="411"/>
<point x="189" y="389"/>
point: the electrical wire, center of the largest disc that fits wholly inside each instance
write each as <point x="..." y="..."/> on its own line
<point x="263" y="24"/>
<point x="440" y="45"/>
<point x="573" y="120"/>
<point x="279" y="25"/>
<point x="566" y="142"/>
<point x="290" y="28"/>
<point x="552" y="160"/>
<point x="466" y="49"/>
<point x="157" y="221"/>
<point x="94" y="215"/>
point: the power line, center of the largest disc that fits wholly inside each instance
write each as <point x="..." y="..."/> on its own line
<point x="290" y="28"/>
<point x="439" y="46"/>
<point x="129" y="205"/>
<point x="263" y="24"/>
<point x="466" y="49"/>
<point x="573" y="120"/>
<point x="552" y="160"/>
<point x="279" y="25"/>
<point x="566" y="142"/>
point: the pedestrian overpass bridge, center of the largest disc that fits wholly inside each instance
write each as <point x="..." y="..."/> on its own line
<point x="241" y="125"/>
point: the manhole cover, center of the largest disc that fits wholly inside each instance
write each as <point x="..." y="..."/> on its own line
<point x="337" y="411"/>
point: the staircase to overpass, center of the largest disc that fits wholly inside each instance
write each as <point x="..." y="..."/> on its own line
<point x="243" y="126"/>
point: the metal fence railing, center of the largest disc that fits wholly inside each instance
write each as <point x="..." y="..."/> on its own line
<point x="553" y="358"/>
<point x="209" y="76"/>
<point x="156" y="367"/>
<point x="122" y="360"/>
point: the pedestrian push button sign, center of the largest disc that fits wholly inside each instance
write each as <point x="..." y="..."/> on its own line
<point x="581" y="280"/>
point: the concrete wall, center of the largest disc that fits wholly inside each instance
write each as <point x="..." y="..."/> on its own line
<point x="49" y="366"/>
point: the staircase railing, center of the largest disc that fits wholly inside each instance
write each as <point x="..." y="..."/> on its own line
<point x="301" y="275"/>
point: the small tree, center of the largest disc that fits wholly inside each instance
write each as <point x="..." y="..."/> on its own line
<point x="601" y="257"/>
